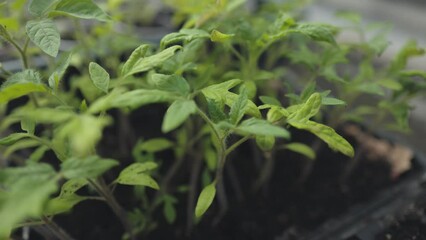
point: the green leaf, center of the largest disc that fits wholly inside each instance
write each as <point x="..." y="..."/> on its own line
<point x="210" y="156"/>
<point x="261" y="127"/>
<point x="205" y="199"/>
<point x="266" y="143"/>
<point x="45" y="35"/>
<point x="20" y="145"/>
<point x="61" y="67"/>
<point x="309" y="109"/>
<point x="26" y="198"/>
<point x="184" y="35"/>
<point x="82" y="132"/>
<point x="12" y="138"/>
<point x="317" y="32"/>
<point x="390" y="84"/>
<point x="327" y="134"/>
<point x="71" y="186"/>
<point x="88" y="167"/>
<point x="154" y="145"/>
<point x="137" y="54"/>
<point x="5" y="34"/>
<point x="170" y="83"/>
<point x="136" y="174"/>
<point x="409" y="50"/>
<point x="28" y="125"/>
<point x="270" y="100"/>
<point x="20" y="84"/>
<point x="99" y="76"/>
<point x="216" y="110"/>
<point x="132" y="99"/>
<point x="238" y="108"/>
<point x="213" y="90"/>
<point x="332" y="101"/>
<point x="302" y="149"/>
<point x="25" y="190"/>
<point x="39" y="7"/>
<point x="45" y="115"/>
<point x="371" y="88"/>
<point x="34" y="171"/>
<point x="217" y="36"/>
<point x="62" y="204"/>
<point x="144" y="64"/>
<point x="177" y="113"/>
<point x="85" y="9"/>
<point x="220" y="94"/>
<point x="169" y="212"/>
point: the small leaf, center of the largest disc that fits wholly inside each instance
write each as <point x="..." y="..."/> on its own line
<point x="211" y="91"/>
<point x="146" y="63"/>
<point x="5" y="34"/>
<point x="61" y="67"/>
<point x="12" y="138"/>
<point x="238" y="108"/>
<point x="261" y="127"/>
<point x="137" y="54"/>
<point x="270" y="100"/>
<point x="171" y="83"/>
<point x="155" y="145"/>
<point x="205" y="199"/>
<point x="169" y="212"/>
<point x="317" y="32"/>
<point x="28" y="125"/>
<point x="390" y="84"/>
<point x="99" y="76"/>
<point x="309" y="109"/>
<point x="20" y="84"/>
<point x="302" y="149"/>
<point x="85" y="9"/>
<point x="45" y="35"/>
<point x="136" y="174"/>
<point x="177" y="113"/>
<point x="332" y="101"/>
<point x="89" y="167"/>
<point x="62" y="204"/>
<point x="184" y="35"/>
<point x="131" y="99"/>
<point x="71" y="186"/>
<point x="217" y="36"/>
<point x="327" y="134"/>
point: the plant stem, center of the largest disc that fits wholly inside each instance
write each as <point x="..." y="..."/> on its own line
<point x="195" y="172"/>
<point x="58" y="231"/>
<point x="266" y="171"/>
<point x="236" y="144"/>
<point x="210" y="123"/>
<point x="105" y="192"/>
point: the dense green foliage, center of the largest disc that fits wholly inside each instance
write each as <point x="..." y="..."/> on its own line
<point x="228" y="76"/>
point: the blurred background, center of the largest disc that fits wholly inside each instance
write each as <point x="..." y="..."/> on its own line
<point x="408" y="21"/>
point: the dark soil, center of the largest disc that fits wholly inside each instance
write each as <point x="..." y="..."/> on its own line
<point x="411" y="226"/>
<point x="288" y="206"/>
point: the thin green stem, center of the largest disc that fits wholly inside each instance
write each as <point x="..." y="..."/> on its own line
<point x="210" y="123"/>
<point x="22" y="51"/>
<point x="100" y="186"/>
<point x="236" y="144"/>
<point x="58" y="231"/>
